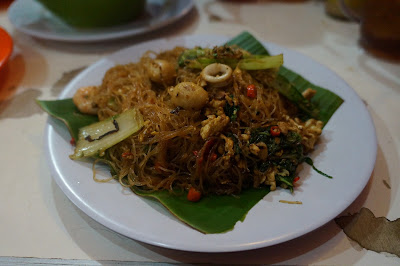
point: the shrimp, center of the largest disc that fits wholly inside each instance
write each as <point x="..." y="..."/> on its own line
<point x="83" y="99"/>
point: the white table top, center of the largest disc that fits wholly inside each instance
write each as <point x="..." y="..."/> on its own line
<point x="40" y="225"/>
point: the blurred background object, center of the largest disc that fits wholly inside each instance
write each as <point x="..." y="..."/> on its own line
<point x="379" y="25"/>
<point x="4" y="4"/>
<point x="6" y="47"/>
<point x="332" y="8"/>
<point x="95" y="13"/>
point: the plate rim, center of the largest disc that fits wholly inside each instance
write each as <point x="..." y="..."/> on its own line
<point x="49" y="130"/>
<point x="189" y="5"/>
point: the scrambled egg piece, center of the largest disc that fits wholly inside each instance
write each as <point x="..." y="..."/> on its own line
<point x="213" y="125"/>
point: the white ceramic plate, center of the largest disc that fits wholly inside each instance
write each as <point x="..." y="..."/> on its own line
<point x="31" y="18"/>
<point x="347" y="151"/>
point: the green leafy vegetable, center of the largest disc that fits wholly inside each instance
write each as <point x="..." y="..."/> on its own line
<point x="235" y="140"/>
<point x="290" y="153"/>
<point x="202" y="57"/>
<point x="310" y="162"/>
<point x="191" y="54"/>
<point x="231" y="110"/>
<point x="261" y="62"/>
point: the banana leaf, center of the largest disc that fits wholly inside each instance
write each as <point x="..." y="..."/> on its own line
<point x="290" y="84"/>
<point x="67" y="112"/>
<point x="212" y="214"/>
<point x="324" y="103"/>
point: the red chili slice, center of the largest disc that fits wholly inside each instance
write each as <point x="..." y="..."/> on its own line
<point x="275" y="131"/>
<point x="205" y="152"/>
<point x="193" y="195"/>
<point x="251" y="91"/>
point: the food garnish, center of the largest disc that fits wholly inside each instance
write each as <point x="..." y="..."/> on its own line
<point x="193" y="195"/>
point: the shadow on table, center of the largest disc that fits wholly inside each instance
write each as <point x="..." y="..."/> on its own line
<point x="20" y="82"/>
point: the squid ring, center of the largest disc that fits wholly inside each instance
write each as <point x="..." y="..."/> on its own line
<point x="217" y="74"/>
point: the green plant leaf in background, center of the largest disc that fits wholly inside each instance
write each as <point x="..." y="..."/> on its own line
<point x="212" y="214"/>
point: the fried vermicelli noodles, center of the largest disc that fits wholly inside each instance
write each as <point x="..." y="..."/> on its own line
<point x="220" y="138"/>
